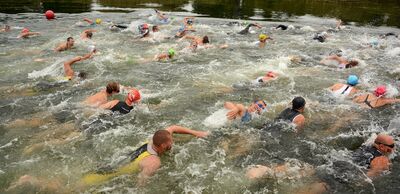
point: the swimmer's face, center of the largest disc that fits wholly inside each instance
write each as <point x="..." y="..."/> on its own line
<point x="71" y="42"/>
<point x="168" y="145"/>
<point x="258" y="106"/>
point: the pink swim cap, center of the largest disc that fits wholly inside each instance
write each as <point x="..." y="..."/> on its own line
<point x="380" y="91"/>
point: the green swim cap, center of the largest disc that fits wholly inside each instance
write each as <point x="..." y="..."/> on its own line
<point x="171" y="52"/>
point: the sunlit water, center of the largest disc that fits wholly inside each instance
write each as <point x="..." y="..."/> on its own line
<point x="186" y="91"/>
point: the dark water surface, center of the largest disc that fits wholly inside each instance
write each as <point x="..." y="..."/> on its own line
<point x="366" y="12"/>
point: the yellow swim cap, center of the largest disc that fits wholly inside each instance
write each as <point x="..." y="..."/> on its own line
<point x="98" y="21"/>
<point x="262" y="37"/>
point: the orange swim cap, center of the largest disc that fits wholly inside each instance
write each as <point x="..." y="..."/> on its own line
<point x="270" y="74"/>
<point x="380" y="91"/>
<point x="134" y="95"/>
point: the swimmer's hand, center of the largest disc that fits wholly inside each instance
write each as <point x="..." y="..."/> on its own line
<point x="201" y="134"/>
<point x="232" y="114"/>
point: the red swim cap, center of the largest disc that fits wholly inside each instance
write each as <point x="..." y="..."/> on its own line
<point x="134" y="95"/>
<point x="380" y="91"/>
<point x="145" y="26"/>
<point x="25" y="30"/>
<point x="49" y="14"/>
<point x="270" y="74"/>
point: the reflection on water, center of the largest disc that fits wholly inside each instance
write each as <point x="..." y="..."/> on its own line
<point x="45" y="131"/>
<point x="361" y="11"/>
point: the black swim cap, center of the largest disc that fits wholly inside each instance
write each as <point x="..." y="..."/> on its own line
<point x="298" y="103"/>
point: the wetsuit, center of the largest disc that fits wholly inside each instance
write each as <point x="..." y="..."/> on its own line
<point x="364" y="155"/>
<point x="246" y="30"/>
<point x="367" y="102"/>
<point x="288" y="115"/>
<point x="319" y="37"/>
<point x="107" y="173"/>
<point x="282" y="27"/>
<point x="122" y="107"/>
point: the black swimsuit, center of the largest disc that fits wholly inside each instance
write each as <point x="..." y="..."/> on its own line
<point x="367" y="102"/>
<point x="364" y="155"/>
<point x="288" y="114"/>
<point x="122" y="107"/>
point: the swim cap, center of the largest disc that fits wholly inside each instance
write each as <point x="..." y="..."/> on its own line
<point x="145" y="26"/>
<point x="262" y="37"/>
<point x="270" y="74"/>
<point x="134" y="95"/>
<point x="98" y="21"/>
<point x="298" y="103"/>
<point x="171" y="52"/>
<point x="352" y="80"/>
<point x="49" y="14"/>
<point x="91" y="48"/>
<point x="25" y="30"/>
<point x="380" y="91"/>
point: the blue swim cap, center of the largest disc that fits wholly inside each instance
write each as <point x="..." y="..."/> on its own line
<point x="352" y="80"/>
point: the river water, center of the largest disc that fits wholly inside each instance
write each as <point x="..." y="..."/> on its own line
<point x="38" y="111"/>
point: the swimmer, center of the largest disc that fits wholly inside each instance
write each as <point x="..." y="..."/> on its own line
<point x="188" y="23"/>
<point x="123" y="107"/>
<point x="87" y="34"/>
<point x="294" y="114"/>
<point x="146" y="159"/>
<point x="282" y="27"/>
<point x="238" y="111"/>
<point x="117" y="27"/>
<point x="102" y="96"/>
<point x="262" y="39"/>
<point x="388" y="35"/>
<point x="25" y="33"/>
<point x="155" y="29"/>
<point x="321" y="36"/>
<point x="247" y="29"/>
<point x="144" y="30"/>
<point x="161" y="16"/>
<point x="91" y="22"/>
<point x="375" y="100"/>
<point x="65" y="46"/>
<point x="269" y="76"/>
<point x="343" y="63"/>
<point x="165" y="56"/>
<point x="6" y="28"/>
<point x="346" y="90"/>
<point x="200" y="41"/>
<point x="69" y="72"/>
<point x="375" y="157"/>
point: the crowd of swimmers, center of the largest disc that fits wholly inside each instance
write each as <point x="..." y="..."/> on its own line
<point x="146" y="159"/>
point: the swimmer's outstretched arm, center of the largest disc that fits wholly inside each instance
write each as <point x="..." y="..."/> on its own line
<point x="183" y="130"/>
<point x="235" y="110"/>
<point x="88" y="20"/>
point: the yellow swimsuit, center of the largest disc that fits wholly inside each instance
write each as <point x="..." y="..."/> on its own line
<point x="130" y="168"/>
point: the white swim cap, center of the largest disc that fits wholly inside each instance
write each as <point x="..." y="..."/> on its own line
<point x="91" y="48"/>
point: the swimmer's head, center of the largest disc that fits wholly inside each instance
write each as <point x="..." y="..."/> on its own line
<point x="171" y="53"/>
<point x="380" y="91"/>
<point x="189" y="21"/>
<point x="134" y="96"/>
<point x="162" y="139"/>
<point x="98" y="21"/>
<point x="270" y="74"/>
<point x="259" y="106"/>
<point x="144" y="28"/>
<point x="82" y="75"/>
<point x="205" y="40"/>
<point x="298" y="103"/>
<point x="262" y="37"/>
<point x="352" y="80"/>
<point x="70" y="41"/>
<point x="89" y="34"/>
<point x="25" y="30"/>
<point x="155" y="29"/>
<point x="384" y="143"/>
<point x="7" y="28"/>
<point x="112" y="87"/>
<point x="351" y="64"/>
